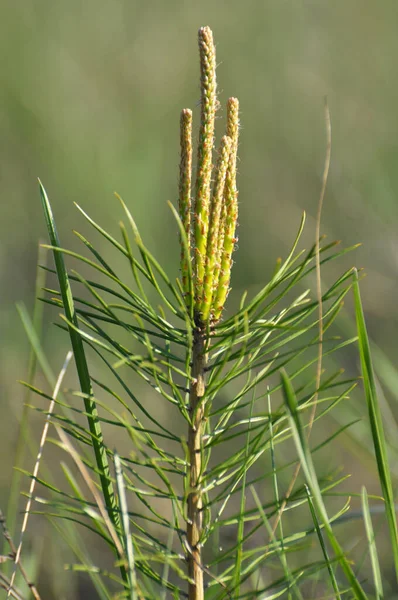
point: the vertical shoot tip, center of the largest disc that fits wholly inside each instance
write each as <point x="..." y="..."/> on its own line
<point x="212" y="250"/>
<point x="205" y="152"/>
<point x="185" y="198"/>
<point x="231" y="211"/>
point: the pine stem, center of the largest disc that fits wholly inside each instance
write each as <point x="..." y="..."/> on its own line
<point x="195" y="435"/>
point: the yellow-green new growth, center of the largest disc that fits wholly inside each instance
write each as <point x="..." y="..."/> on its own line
<point x="231" y="210"/>
<point x="212" y="251"/>
<point x="205" y="153"/>
<point x="211" y="242"/>
<point x="216" y="276"/>
<point x="185" y="195"/>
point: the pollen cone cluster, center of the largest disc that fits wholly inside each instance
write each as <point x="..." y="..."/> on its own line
<point x="209" y="222"/>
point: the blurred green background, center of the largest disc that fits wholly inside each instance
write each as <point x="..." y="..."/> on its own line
<point x="90" y="95"/>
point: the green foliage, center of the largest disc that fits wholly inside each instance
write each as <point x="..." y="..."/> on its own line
<point x="135" y="343"/>
<point x="152" y="340"/>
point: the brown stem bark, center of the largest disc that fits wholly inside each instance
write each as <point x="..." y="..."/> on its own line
<point x="195" y="435"/>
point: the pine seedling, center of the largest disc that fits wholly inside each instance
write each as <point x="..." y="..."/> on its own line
<point x="215" y="222"/>
<point x="183" y="480"/>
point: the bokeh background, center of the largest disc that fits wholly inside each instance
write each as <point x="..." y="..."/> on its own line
<point x="90" y="95"/>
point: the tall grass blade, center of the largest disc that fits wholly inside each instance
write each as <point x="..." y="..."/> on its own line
<point x="307" y="465"/>
<point x="82" y="368"/>
<point x="376" y="423"/>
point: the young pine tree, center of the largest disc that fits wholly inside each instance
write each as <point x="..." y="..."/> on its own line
<point x="192" y="506"/>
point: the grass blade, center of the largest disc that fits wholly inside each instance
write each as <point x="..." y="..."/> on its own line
<point x="126" y="527"/>
<point x="307" y="465"/>
<point x="322" y="544"/>
<point x="34" y="476"/>
<point x="82" y="369"/>
<point x="12" y="507"/>
<point x="376" y="424"/>
<point x="374" y="559"/>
